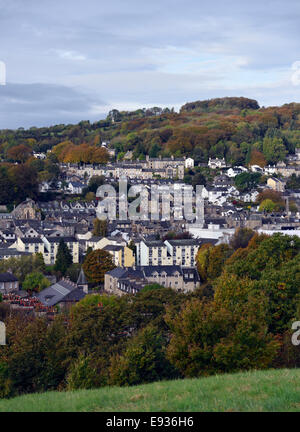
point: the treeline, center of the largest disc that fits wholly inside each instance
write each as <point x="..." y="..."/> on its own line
<point x="234" y="128"/>
<point x="240" y="319"/>
<point x="209" y="105"/>
<point x="68" y="152"/>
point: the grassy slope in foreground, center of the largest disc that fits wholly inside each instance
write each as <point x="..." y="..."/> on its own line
<point x="273" y="390"/>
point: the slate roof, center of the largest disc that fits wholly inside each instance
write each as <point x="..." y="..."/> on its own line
<point x="74" y="296"/>
<point x="82" y="280"/>
<point x="113" y="247"/>
<point x="8" y="277"/>
<point x="184" y="242"/>
<point x="29" y="240"/>
<point x="56" y="293"/>
<point x="12" y="252"/>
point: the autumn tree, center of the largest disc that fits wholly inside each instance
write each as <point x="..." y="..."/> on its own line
<point x="96" y="264"/>
<point x="257" y="158"/>
<point x="19" y="153"/>
<point x="241" y="238"/>
<point x="100" y="228"/>
<point x="211" y="259"/>
<point x="209" y="337"/>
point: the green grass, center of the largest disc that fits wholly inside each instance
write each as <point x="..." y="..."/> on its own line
<point x="272" y="390"/>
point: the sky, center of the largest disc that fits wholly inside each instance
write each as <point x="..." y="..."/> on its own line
<point x="71" y="60"/>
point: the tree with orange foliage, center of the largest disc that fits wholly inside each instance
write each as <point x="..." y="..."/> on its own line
<point x="257" y="158"/>
<point x="19" y="153"/>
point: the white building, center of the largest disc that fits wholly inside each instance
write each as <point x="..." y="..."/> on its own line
<point x="189" y="163"/>
<point x="216" y="163"/>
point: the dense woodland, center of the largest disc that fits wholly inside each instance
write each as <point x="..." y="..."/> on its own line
<point x="239" y="319"/>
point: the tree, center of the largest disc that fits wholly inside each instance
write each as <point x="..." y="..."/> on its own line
<point x="143" y="361"/>
<point x="24" y="182"/>
<point x="293" y="182"/>
<point x="99" y="300"/>
<point x="100" y="228"/>
<point x="257" y="158"/>
<point x="241" y="238"/>
<point x="267" y="206"/>
<point x="247" y="181"/>
<point x="82" y="375"/>
<point x="209" y="338"/>
<point x="24" y="265"/>
<point x="96" y="264"/>
<point x="6" y="187"/>
<point x="211" y="260"/>
<point x="35" y="281"/>
<point x="73" y="271"/>
<point x="274" y="149"/>
<point x="63" y="258"/>
<point x="19" y="153"/>
<point x="151" y="287"/>
<point x="90" y="196"/>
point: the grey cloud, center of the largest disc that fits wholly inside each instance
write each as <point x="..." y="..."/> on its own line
<point x="42" y="104"/>
<point x="123" y="55"/>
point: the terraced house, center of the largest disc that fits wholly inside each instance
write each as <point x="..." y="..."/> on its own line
<point x="47" y="246"/>
<point x="170" y="252"/>
<point x="122" y="281"/>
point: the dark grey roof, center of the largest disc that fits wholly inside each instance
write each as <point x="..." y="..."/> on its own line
<point x="113" y="247"/>
<point x="169" y="270"/>
<point x="117" y="272"/>
<point x="154" y="243"/>
<point x="74" y="295"/>
<point x="58" y="239"/>
<point x="82" y="278"/>
<point x="56" y="293"/>
<point x="12" y="252"/>
<point x="184" y="242"/>
<point x="29" y="240"/>
<point x="8" y="277"/>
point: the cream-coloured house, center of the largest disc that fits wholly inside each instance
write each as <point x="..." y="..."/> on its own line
<point x="170" y="252"/>
<point x="276" y="184"/>
<point x="122" y="255"/>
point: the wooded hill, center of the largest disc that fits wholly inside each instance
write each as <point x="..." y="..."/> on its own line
<point x="224" y="127"/>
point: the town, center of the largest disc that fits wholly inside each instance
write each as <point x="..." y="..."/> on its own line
<point x="162" y="251"/>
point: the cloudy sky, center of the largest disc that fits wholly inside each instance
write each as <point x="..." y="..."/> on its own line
<point x="71" y="60"/>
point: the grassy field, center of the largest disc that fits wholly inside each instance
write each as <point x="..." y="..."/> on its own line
<point x="273" y="390"/>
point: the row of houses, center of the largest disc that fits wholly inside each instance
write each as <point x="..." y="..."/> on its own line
<point x="120" y="281"/>
<point x="149" y="168"/>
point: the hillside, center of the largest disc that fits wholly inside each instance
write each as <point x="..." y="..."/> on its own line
<point x="222" y="127"/>
<point x="272" y="390"/>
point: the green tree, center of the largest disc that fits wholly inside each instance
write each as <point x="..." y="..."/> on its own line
<point x="143" y="361"/>
<point x="274" y="149"/>
<point x="151" y="287"/>
<point x="82" y="375"/>
<point x="267" y="205"/>
<point x="35" y="281"/>
<point x="247" y="181"/>
<point x="63" y="258"/>
<point x="23" y="265"/>
<point x="209" y="338"/>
